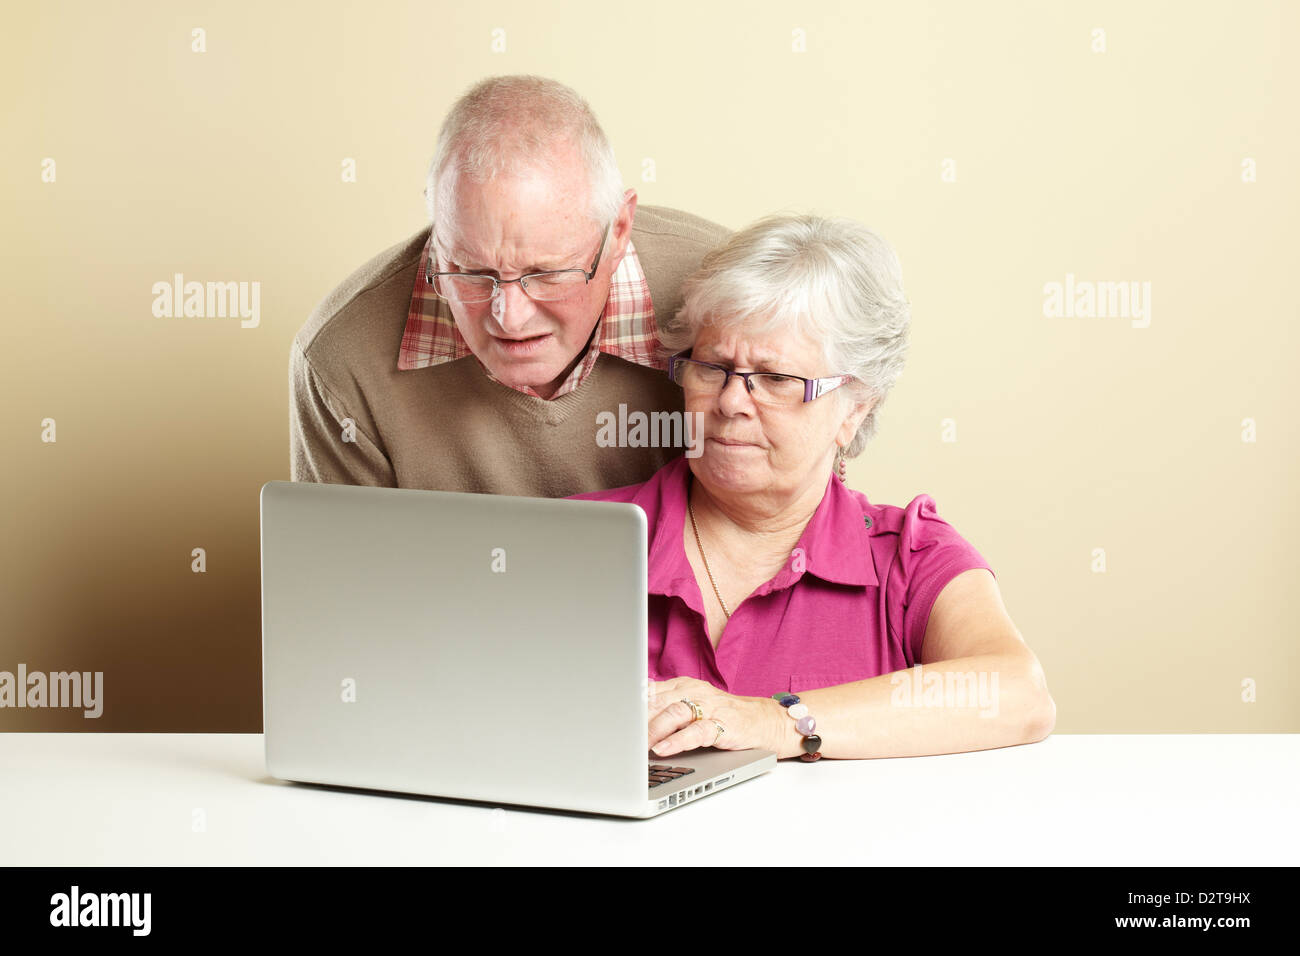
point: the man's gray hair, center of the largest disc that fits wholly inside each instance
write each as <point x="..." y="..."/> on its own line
<point x="833" y="280"/>
<point x="513" y="124"/>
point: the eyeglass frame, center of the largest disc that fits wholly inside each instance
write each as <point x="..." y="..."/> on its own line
<point x="813" y="388"/>
<point x="497" y="283"/>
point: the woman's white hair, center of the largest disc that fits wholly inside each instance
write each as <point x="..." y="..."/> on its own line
<point x="833" y="280"/>
<point x="506" y="125"/>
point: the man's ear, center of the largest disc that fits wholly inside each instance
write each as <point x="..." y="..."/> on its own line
<point x="621" y="231"/>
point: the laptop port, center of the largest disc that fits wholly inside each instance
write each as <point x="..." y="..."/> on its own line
<point x="708" y="787"/>
<point x="672" y="801"/>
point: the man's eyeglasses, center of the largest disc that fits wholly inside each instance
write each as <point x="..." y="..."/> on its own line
<point x="542" y="286"/>
<point x="767" y="388"/>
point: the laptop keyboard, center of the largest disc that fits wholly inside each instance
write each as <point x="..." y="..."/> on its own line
<point x="662" y="773"/>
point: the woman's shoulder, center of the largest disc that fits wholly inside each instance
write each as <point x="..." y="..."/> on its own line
<point x="920" y="549"/>
<point x="913" y="543"/>
<point x="917" y="553"/>
<point x="917" y="524"/>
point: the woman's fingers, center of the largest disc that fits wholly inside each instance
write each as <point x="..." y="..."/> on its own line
<point x="699" y="734"/>
<point x="660" y="693"/>
<point x="669" y="720"/>
<point x="672" y="725"/>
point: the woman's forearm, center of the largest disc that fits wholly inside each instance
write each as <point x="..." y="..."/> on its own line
<point x="952" y="706"/>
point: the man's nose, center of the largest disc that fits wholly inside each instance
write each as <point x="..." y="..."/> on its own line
<point x="512" y="308"/>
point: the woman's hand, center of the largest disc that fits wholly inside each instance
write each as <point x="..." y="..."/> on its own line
<point x="748" y="722"/>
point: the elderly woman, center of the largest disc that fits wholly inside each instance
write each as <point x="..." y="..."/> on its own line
<point x="786" y="609"/>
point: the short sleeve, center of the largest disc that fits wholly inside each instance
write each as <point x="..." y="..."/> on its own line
<point x="930" y="554"/>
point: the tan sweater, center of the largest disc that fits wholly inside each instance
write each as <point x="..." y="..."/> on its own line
<point x="449" y="427"/>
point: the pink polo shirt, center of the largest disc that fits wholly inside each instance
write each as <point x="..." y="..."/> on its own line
<point x="851" y="603"/>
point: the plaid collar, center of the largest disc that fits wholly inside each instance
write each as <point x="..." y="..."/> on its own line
<point x="626" y="328"/>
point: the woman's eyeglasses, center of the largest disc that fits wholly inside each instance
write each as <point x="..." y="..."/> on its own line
<point x="767" y="388"/>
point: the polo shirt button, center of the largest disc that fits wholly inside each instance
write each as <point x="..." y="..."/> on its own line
<point x="867" y="519"/>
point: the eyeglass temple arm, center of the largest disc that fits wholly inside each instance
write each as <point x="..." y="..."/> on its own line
<point x="817" y="387"/>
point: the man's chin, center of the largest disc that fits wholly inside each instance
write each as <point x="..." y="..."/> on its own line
<point x="536" y="375"/>
<point x="538" y="367"/>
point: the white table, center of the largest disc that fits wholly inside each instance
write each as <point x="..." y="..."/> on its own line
<point x="1209" y="800"/>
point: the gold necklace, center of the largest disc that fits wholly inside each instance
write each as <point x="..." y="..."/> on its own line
<point x="704" y="557"/>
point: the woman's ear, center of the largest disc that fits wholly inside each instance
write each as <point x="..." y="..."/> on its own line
<point x="853" y="419"/>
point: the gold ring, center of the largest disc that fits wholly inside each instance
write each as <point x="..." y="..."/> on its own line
<point x="721" y="730"/>
<point x="696" y="709"/>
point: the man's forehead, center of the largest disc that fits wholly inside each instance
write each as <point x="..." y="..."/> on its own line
<point x="486" y="241"/>
<point x="486" y="232"/>
<point x="540" y="207"/>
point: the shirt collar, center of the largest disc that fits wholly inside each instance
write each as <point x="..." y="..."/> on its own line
<point x="835" y="545"/>
<point x="625" y="328"/>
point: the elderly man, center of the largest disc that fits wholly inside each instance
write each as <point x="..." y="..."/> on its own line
<point x="482" y="353"/>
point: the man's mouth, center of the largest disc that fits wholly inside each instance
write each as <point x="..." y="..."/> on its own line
<point x="521" y="346"/>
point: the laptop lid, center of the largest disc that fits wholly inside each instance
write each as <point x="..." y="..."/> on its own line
<point x="482" y="647"/>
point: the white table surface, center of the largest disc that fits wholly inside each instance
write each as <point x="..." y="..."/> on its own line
<point x="1130" y="800"/>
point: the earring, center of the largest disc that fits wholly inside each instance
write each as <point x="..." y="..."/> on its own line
<point x="841" y="466"/>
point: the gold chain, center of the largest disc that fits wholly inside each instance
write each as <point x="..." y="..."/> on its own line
<point x="707" y="569"/>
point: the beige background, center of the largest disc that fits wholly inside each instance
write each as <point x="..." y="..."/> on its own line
<point x="1072" y="434"/>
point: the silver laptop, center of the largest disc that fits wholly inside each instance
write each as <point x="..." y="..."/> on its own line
<point x="476" y="647"/>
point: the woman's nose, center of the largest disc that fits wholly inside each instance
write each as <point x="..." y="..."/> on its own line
<point x="735" y="396"/>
